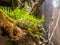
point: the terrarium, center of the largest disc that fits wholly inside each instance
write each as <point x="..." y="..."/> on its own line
<point x="29" y="22"/>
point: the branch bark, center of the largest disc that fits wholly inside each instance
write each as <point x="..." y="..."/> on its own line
<point x="8" y="28"/>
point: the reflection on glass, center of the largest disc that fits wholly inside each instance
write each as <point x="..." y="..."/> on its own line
<point x="55" y="3"/>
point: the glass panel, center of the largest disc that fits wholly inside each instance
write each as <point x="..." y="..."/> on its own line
<point x="51" y="9"/>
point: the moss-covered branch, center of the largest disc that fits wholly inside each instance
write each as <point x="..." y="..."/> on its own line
<point x="12" y="31"/>
<point x="25" y="20"/>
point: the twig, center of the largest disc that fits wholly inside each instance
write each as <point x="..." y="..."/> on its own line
<point x="49" y="40"/>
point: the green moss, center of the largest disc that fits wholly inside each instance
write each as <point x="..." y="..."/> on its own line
<point x="26" y="20"/>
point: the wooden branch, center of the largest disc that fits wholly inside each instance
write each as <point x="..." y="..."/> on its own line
<point x="12" y="31"/>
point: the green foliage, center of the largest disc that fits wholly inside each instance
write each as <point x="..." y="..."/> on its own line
<point x="33" y="28"/>
<point x="27" y="20"/>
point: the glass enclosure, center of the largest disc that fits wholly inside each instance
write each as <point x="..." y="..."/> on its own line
<point x="51" y="11"/>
